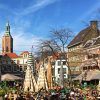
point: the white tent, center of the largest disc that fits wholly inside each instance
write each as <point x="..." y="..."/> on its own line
<point x="42" y="80"/>
<point x="29" y="81"/>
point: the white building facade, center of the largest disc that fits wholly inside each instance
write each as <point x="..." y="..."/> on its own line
<point x="56" y="70"/>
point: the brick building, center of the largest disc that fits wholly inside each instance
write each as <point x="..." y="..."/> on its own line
<point x="10" y="62"/>
<point x="91" y="62"/>
<point x="75" y="47"/>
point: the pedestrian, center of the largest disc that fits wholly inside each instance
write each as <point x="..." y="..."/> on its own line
<point x="15" y="95"/>
<point x="6" y="97"/>
<point x="20" y="97"/>
<point x="1" y="98"/>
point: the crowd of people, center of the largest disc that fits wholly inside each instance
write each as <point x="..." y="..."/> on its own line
<point x="72" y="94"/>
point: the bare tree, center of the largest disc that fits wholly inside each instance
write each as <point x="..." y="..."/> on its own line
<point x="58" y="44"/>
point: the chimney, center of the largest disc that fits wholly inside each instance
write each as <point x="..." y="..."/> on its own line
<point x="94" y="24"/>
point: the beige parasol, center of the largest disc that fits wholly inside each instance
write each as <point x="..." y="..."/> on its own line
<point x="10" y="77"/>
<point x="89" y="75"/>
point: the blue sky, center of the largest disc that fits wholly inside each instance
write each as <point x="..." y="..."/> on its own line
<point x="32" y="20"/>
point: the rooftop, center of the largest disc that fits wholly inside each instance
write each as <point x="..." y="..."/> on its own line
<point x="83" y="36"/>
<point x="11" y="55"/>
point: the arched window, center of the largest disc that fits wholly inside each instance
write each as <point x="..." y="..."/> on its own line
<point x="7" y="49"/>
<point x="3" y="49"/>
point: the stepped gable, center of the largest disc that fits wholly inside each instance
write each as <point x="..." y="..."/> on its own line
<point x="86" y="34"/>
<point x="24" y="52"/>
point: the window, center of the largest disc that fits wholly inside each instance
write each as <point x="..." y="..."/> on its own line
<point x="53" y="63"/>
<point x="3" y="69"/>
<point x="59" y="63"/>
<point x="8" y="68"/>
<point x="12" y="61"/>
<point x="58" y="70"/>
<point x="96" y="67"/>
<point x="64" y="70"/>
<point x="9" y="61"/>
<point x="25" y="67"/>
<point x="84" y="68"/>
<point x="58" y="79"/>
<point x="77" y="68"/>
<point x="21" y="68"/>
<point x="64" y="62"/>
<point x="64" y="76"/>
<point x="14" y="68"/>
<point x="72" y="68"/>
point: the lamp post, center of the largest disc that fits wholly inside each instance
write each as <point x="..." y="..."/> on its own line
<point x="61" y="73"/>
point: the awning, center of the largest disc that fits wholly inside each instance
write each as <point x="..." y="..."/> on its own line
<point x="89" y="75"/>
<point x="10" y="77"/>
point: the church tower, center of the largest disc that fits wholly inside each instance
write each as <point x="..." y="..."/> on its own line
<point x="7" y="40"/>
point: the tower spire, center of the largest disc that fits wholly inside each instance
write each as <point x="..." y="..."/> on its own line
<point x="7" y="29"/>
<point x="7" y="40"/>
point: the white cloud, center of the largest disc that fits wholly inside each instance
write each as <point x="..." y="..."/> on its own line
<point x="29" y="9"/>
<point x="35" y="7"/>
<point x="22" y="42"/>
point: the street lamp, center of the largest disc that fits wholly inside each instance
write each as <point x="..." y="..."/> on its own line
<point x="61" y="72"/>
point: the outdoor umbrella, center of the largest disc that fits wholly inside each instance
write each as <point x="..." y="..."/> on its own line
<point x="93" y="75"/>
<point x="10" y="77"/>
<point x="89" y="75"/>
